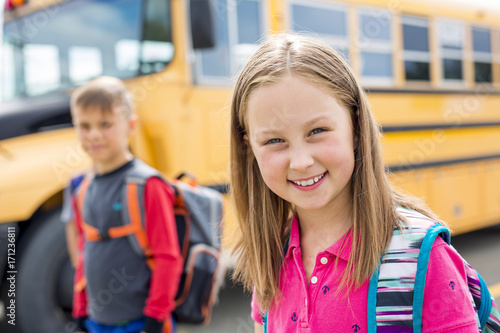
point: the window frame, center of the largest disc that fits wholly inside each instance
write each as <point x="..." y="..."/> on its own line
<point x="338" y="43"/>
<point x="416" y="56"/>
<point x="377" y="46"/>
<point x="481" y="56"/>
<point x="447" y="54"/>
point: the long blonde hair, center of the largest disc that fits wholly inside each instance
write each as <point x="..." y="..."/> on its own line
<point x="263" y="217"/>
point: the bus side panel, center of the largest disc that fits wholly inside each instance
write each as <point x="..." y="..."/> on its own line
<point x="34" y="167"/>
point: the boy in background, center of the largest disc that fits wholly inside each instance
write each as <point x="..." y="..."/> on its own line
<point x="121" y="293"/>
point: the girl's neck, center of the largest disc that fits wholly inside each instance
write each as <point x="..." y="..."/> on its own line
<point x="324" y="228"/>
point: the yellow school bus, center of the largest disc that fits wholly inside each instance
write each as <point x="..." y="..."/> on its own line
<point x="431" y="69"/>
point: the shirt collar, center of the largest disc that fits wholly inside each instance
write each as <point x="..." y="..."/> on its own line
<point x="341" y="248"/>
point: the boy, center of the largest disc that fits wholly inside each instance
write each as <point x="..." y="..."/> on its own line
<point x="121" y="293"/>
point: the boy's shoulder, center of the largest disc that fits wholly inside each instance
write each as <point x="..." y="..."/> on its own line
<point x="140" y="172"/>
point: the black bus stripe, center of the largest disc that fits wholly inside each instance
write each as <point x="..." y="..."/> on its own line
<point x="414" y="166"/>
<point x="488" y="90"/>
<point x="426" y="127"/>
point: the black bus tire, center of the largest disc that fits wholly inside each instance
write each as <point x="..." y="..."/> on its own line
<point x="42" y="281"/>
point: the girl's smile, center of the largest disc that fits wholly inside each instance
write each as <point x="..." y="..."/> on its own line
<point x="309" y="184"/>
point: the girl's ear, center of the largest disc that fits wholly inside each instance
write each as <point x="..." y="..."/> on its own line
<point x="245" y="139"/>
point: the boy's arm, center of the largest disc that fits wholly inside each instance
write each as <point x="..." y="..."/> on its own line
<point x="68" y="217"/>
<point x="71" y="239"/>
<point x="162" y="235"/>
<point x="79" y="312"/>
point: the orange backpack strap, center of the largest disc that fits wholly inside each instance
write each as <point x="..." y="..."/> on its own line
<point x="90" y="233"/>
<point x="133" y="217"/>
<point x="133" y="211"/>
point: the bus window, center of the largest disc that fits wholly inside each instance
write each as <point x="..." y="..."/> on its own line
<point x="481" y="42"/>
<point x="239" y="28"/>
<point x="249" y="22"/>
<point x="376" y="46"/>
<point x="250" y="30"/>
<point x="451" y="36"/>
<point x="84" y="63"/>
<point x="76" y="43"/>
<point x="215" y="63"/>
<point x="127" y="55"/>
<point x="157" y="49"/>
<point x="41" y="68"/>
<point x="8" y="78"/>
<point x="327" y="21"/>
<point x="416" y="48"/>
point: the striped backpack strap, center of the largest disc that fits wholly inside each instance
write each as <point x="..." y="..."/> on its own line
<point x="484" y="303"/>
<point x="491" y="317"/>
<point x="391" y="295"/>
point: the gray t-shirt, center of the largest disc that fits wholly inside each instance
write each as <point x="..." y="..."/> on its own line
<point x="117" y="277"/>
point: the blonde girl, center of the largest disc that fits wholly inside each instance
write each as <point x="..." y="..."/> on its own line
<point x="315" y="208"/>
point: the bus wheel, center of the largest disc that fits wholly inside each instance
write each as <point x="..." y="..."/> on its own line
<point x="44" y="280"/>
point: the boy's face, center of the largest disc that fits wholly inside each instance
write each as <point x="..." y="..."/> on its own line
<point x="104" y="136"/>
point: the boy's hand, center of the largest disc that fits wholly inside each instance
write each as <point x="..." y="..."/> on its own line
<point x="152" y="326"/>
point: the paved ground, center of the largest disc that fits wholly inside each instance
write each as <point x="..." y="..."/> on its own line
<point x="231" y="315"/>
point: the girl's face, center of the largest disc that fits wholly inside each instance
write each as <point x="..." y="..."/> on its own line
<point x="302" y="139"/>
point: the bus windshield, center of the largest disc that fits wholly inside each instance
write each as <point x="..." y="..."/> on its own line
<point x="65" y="45"/>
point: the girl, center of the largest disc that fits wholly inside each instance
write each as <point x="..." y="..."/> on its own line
<point x="315" y="208"/>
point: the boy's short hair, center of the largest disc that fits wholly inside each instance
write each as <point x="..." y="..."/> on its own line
<point x="104" y="93"/>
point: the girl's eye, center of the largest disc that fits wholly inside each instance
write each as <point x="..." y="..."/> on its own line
<point x="106" y="125"/>
<point x="317" y="130"/>
<point x="273" y="141"/>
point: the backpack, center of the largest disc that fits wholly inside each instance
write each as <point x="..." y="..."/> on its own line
<point x="198" y="216"/>
<point x="400" y="279"/>
<point x="396" y="289"/>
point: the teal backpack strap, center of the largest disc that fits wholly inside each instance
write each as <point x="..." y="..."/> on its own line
<point x="485" y="308"/>
<point x="372" y="302"/>
<point x="423" y="261"/>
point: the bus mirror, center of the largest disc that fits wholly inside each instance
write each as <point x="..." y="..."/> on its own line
<point x="202" y="24"/>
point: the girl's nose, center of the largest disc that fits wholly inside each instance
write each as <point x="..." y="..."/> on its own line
<point x="301" y="159"/>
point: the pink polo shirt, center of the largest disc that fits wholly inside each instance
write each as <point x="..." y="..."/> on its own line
<point x="319" y="309"/>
